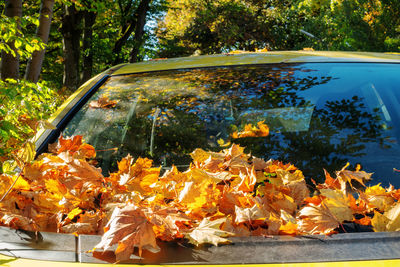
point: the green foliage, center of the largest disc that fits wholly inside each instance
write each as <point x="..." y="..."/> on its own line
<point x="14" y="30"/>
<point x="215" y="26"/>
<point x="22" y="106"/>
<point x="224" y="25"/>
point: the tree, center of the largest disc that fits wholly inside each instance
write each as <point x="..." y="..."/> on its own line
<point x="132" y="20"/>
<point x="206" y="27"/>
<point x="220" y="26"/>
<point x="71" y="31"/>
<point x="140" y="15"/>
<point x="89" y="18"/>
<point x="21" y="44"/>
<point x="23" y="104"/>
<point x="34" y="65"/>
<point x="97" y="35"/>
<point x="10" y="57"/>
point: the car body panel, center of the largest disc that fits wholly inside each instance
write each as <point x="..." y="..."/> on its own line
<point x="13" y="262"/>
<point x="50" y="246"/>
<point x="210" y="61"/>
<point x="244" y="58"/>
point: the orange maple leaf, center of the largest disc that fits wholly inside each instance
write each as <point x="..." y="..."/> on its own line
<point x="329" y="182"/>
<point x="364" y="221"/>
<point x="66" y="144"/>
<point x="168" y="223"/>
<point x="226" y="191"/>
<point x="288" y="229"/>
<point x="247" y="181"/>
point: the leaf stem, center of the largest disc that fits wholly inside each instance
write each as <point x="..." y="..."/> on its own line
<point x="9" y="189"/>
<point x="15" y="181"/>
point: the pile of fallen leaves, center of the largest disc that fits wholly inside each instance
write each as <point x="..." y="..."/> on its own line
<point x="222" y="194"/>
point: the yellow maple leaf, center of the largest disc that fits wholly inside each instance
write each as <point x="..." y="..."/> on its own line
<point x="209" y="232"/>
<point x="379" y="222"/>
<point x="199" y="155"/>
<point x="56" y="188"/>
<point x="253" y="213"/>
<point x="73" y="213"/>
<point x="338" y="203"/>
<point x="333" y="210"/>
<point x="389" y="221"/>
<point x="377" y="197"/>
<point x="21" y="183"/>
<point x="393" y="215"/>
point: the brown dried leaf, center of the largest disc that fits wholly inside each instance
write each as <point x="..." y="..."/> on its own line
<point x="345" y="176"/>
<point x="250" y="214"/>
<point x="18" y="222"/>
<point x="316" y="220"/>
<point x="129" y="227"/>
<point x="103" y="102"/>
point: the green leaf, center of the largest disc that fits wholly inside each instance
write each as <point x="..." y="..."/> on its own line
<point x="9" y="166"/>
<point x="8" y="126"/>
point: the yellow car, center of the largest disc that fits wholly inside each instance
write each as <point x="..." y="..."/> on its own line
<point x="322" y="109"/>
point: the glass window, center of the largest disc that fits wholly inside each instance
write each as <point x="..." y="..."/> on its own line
<point x="320" y="115"/>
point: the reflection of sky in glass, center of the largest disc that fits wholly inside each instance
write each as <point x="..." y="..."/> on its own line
<point x="321" y="115"/>
<point x="291" y="119"/>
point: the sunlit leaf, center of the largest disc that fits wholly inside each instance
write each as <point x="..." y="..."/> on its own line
<point x="209" y="232"/>
<point x="345" y="176"/>
<point x="221" y="194"/>
<point x="27" y="154"/>
<point x="129" y="228"/>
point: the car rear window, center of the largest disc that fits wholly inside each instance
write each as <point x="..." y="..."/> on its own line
<point x="319" y="115"/>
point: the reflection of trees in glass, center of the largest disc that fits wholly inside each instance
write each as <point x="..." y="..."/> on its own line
<point x="166" y="115"/>
<point x="337" y="131"/>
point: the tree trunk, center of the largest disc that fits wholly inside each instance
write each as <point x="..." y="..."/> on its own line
<point x="34" y="65"/>
<point x="139" y="31"/>
<point x="129" y="27"/>
<point x="10" y="63"/>
<point x="71" y="32"/>
<point x="89" y="18"/>
<point x="121" y="42"/>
